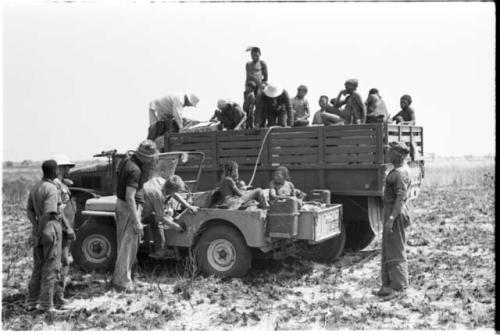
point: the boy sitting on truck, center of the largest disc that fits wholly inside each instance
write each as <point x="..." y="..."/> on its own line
<point x="328" y="114"/>
<point x="300" y="107"/>
<point x="406" y="115"/>
<point x="232" y="196"/>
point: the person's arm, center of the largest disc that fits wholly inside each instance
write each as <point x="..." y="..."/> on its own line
<point x="30" y="212"/>
<point x="232" y="186"/>
<point x="183" y="202"/>
<point x="152" y="113"/>
<point x="402" y="182"/>
<point x="264" y="71"/>
<point x="240" y="114"/>
<point x="177" y="107"/>
<point x="132" y="206"/>
<point x="272" y="191"/>
<point x="339" y="103"/>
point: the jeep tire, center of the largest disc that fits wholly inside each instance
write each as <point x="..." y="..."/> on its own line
<point x="221" y="251"/>
<point x="95" y="246"/>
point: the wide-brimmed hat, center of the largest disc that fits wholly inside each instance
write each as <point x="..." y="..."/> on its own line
<point x="63" y="160"/>
<point x="147" y="149"/>
<point x="272" y="90"/>
<point x="192" y="98"/>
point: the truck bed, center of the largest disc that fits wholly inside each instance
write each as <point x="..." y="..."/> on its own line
<point x="348" y="160"/>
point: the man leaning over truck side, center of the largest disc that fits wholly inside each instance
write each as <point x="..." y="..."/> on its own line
<point x="133" y="172"/>
<point x="157" y="193"/>
<point x="394" y="269"/>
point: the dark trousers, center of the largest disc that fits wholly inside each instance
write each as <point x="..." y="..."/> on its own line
<point x="46" y="268"/>
<point x="276" y="118"/>
<point x="394" y="263"/>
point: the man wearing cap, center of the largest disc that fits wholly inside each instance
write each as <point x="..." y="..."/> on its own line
<point x="229" y="114"/>
<point x="376" y="110"/>
<point x="406" y="114"/>
<point x="165" y="114"/>
<point x="67" y="210"/>
<point x="274" y="106"/>
<point x="46" y="237"/>
<point x="354" y="106"/>
<point x="157" y="193"/>
<point x="396" y="220"/>
<point x="133" y="172"/>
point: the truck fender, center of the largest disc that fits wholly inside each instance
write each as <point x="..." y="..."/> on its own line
<point x="211" y="223"/>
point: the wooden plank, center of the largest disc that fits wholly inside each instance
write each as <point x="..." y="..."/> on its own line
<point x="302" y="159"/>
<point x="230" y="151"/>
<point x="351" y="141"/>
<point x="405" y="138"/>
<point x="351" y="149"/>
<point x="380" y="144"/>
<point x="366" y="158"/>
<point x="295" y="150"/>
<point x="224" y="138"/>
<point x="240" y="160"/>
<point x="293" y="142"/>
<point x="293" y="135"/>
<point x="339" y="132"/>
<point x="190" y="146"/>
<point x="239" y="145"/>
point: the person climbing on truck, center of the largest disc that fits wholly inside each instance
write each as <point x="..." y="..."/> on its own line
<point x="406" y="115"/>
<point x="232" y="196"/>
<point x="229" y="114"/>
<point x="157" y="212"/>
<point x="274" y="107"/>
<point x="394" y="269"/>
<point x="281" y="186"/>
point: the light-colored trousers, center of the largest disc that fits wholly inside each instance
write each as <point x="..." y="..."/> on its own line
<point x="127" y="244"/>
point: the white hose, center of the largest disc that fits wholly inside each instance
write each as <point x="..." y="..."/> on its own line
<point x="260" y="152"/>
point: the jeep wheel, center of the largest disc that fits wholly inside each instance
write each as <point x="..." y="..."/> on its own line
<point x="95" y="246"/>
<point x="324" y="252"/>
<point x="222" y="251"/>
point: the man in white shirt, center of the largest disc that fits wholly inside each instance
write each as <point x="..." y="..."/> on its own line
<point x="171" y="106"/>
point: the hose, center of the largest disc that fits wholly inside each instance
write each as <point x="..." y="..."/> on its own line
<point x="260" y="152"/>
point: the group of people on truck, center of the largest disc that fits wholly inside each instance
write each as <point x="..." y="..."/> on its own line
<point x="268" y="104"/>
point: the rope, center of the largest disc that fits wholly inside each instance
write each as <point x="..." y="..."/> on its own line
<point x="260" y="152"/>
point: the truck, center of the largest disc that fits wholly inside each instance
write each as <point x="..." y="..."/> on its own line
<point x="347" y="160"/>
<point x="222" y="241"/>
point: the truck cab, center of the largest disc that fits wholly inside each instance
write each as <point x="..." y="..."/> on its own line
<point x="222" y="241"/>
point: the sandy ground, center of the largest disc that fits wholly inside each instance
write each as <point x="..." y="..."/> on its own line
<point x="451" y="264"/>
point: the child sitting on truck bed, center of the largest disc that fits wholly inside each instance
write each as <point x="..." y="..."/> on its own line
<point x="281" y="186"/>
<point x="232" y="196"/>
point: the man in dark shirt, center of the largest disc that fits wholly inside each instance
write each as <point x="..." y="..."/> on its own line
<point x="229" y="114"/>
<point x="275" y="107"/>
<point x="133" y="172"/>
<point x="406" y="114"/>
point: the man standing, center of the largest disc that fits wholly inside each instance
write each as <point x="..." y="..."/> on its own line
<point x="165" y="114"/>
<point x="376" y="110"/>
<point x="67" y="210"/>
<point x="133" y="172"/>
<point x="353" y="102"/>
<point x="46" y="237"/>
<point x="274" y="105"/>
<point x="157" y="193"/>
<point x="396" y="220"/>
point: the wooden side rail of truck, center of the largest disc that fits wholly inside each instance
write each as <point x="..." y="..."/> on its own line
<point x="347" y="160"/>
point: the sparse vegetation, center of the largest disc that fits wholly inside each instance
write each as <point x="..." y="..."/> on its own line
<point x="450" y="253"/>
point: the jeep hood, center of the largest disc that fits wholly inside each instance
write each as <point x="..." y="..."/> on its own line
<point x="102" y="204"/>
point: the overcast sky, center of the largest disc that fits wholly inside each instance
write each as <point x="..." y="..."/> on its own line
<point x="77" y="78"/>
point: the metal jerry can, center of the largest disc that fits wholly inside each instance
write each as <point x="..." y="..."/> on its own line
<point x="322" y="196"/>
<point x="283" y="218"/>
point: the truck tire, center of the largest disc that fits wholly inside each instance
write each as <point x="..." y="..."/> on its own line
<point x="221" y="251"/>
<point x="95" y="246"/>
<point x="325" y="252"/>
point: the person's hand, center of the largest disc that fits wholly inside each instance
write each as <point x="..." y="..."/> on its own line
<point x="138" y="229"/>
<point x="70" y="234"/>
<point x="193" y="209"/>
<point x="389" y="223"/>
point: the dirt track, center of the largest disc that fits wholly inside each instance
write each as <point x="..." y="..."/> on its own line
<point x="451" y="262"/>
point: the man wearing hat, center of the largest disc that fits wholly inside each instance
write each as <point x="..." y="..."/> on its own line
<point x="229" y="114"/>
<point x="133" y="172"/>
<point x="67" y="210"/>
<point x="354" y="106"/>
<point x="406" y="115"/>
<point x="396" y="220"/>
<point x="46" y="236"/>
<point x="165" y="114"/>
<point x="274" y="106"/>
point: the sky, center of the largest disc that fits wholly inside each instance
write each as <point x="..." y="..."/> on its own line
<point x="78" y="77"/>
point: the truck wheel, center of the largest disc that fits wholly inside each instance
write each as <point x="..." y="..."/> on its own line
<point x="222" y="251"/>
<point x="95" y="246"/>
<point x="324" y="252"/>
